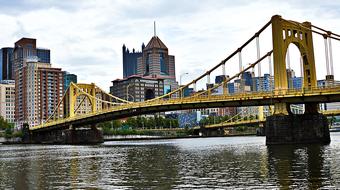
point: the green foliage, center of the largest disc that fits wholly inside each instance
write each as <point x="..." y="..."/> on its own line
<point x="17" y="134"/>
<point x="3" y="124"/>
<point x="9" y="130"/>
<point x="132" y="124"/>
<point x="241" y="128"/>
<point x="331" y="120"/>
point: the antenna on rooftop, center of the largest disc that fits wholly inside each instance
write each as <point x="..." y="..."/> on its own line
<point x="154" y="28"/>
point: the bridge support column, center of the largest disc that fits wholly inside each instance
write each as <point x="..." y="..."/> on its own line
<point x="67" y="136"/>
<point x="295" y="129"/>
<point x="83" y="136"/>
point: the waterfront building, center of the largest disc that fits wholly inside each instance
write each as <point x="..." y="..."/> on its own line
<point x="38" y="86"/>
<point x="68" y="78"/>
<point x="7" y="100"/>
<point x="6" y="64"/>
<point x="130" y="61"/>
<point x="137" y="88"/>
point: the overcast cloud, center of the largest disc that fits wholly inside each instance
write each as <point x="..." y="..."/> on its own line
<point x="86" y="37"/>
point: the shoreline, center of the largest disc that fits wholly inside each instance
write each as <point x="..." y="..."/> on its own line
<point x="170" y="137"/>
<point x="124" y="139"/>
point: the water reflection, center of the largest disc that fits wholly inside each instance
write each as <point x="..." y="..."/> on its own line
<point x="238" y="162"/>
<point x="299" y="166"/>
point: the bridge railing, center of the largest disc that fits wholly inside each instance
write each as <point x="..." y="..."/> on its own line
<point x="203" y="98"/>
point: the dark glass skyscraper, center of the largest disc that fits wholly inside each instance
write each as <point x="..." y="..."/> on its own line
<point x="130" y="61"/>
<point x="44" y="55"/>
<point x="68" y="78"/>
<point x="6" y="62"/>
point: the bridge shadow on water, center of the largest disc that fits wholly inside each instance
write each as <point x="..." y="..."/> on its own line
<point x="299" y="166"/>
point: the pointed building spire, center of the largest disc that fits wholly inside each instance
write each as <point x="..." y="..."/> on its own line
<point x="154" y="28"/>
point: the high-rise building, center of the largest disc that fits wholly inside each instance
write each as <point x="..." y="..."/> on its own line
<point x="130" y="61"/>
<point x="68" y="78"/>
<point x="7" y="100"/>
<point x="157" y="63"/>
<point x="6" y="64"/>
<point x="50" y="85"/>
<point x="38" y="86"/>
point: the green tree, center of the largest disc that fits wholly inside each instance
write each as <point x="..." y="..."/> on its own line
<point x="3" y="123"/>
<point x="131" y="122"/>
<point x="9" y="130"/>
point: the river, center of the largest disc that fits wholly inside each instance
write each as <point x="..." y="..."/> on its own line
<point x="199" y="163"/>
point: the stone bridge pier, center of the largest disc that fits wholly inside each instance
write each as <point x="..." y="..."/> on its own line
<point x="64" y="136"/>
<point x="310" y="127"/>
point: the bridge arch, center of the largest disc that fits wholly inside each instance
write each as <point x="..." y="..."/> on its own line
<point x="80" y="90"/>
<point x="82" y="103"/>
<point x="284" y="33"/>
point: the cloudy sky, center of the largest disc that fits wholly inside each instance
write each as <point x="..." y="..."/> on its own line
<point x="86" y="37"/>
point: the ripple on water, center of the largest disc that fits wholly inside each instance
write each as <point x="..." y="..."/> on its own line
<point x="200" y="163"/>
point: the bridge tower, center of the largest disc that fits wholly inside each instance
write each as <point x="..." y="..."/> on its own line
<point x="87" y="90"/>
<point x="284" y="127"/>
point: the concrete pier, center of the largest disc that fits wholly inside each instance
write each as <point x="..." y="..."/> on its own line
<point x="296" y="129"/>
<point x="67" y="136"/>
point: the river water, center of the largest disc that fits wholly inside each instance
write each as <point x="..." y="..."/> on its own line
<point x="199" y="163"/>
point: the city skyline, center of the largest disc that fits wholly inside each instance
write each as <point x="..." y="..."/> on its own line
<point x="84" y="35"/>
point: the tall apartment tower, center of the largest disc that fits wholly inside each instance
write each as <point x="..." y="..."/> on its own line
<point x="130" y="61"/>
<point x="38" y="86"/>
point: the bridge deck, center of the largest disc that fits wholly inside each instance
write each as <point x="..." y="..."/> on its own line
<point x="318" y="95"/>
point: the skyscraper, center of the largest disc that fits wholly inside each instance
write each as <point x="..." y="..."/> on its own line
<point x="68" y="78"/>
<point x="157" y="63"/>
<point x="6" y="64"/>
<point x="130" y="61"/>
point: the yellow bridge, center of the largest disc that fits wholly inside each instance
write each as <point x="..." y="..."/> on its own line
<point x="87" y="104"/>
<point x="290" y="96"/>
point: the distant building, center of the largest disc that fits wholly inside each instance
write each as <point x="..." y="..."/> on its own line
<point x="68" y="78"/>
<point x="297" y="82"/>
<point x="137" y="88"/>
<point x="38" y="86"/>
<point x="153" y="68"/>
<point x="157" y="63"/>
<point x="188" y="91"/>
<point x="6" y="64"/>
<point x="7" y="100"/>
<point x="189" y="119"/>
<point x="328" y="106"/>
<point x="264" y="83"/>
<point x="220" y="78"/>
<point x="130" y="61"/>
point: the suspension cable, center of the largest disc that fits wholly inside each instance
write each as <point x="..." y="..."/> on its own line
<point x="58" y="105"/>
<point x="81" y="90"/>
<point x="214" y="68"/>
<point x="112" y="96"/>
<point x="328" y="33"/>
<point x="236" y="75"/>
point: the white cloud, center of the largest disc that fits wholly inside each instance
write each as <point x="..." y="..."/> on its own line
<point x="85" y="37"/>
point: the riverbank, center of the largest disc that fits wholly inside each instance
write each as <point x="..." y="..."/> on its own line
<point x="136" y="137"/>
